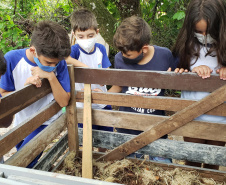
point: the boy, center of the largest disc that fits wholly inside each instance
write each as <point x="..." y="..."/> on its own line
<point x="132" y="38"/>
<point x="50" y="45"/>
<point x="87" y="51"/>
<point x="5" y="122"/>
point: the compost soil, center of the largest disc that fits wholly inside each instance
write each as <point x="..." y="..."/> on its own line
<point x="135" y="173"/>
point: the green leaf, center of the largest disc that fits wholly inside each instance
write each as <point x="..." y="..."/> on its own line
<point x="179" y="15"/>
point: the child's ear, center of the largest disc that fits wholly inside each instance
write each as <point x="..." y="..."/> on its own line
<point x="97" y="31"/>
<point x="145" y="48"/>
<point x="32" y="50"/>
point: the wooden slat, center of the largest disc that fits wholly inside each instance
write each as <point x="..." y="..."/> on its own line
<point x="164" y="148"/>
<point x="20" y="99"/>
<point x="18" y="133"/>
<point x="150" y="102"/>
<point x="128" y="120"/>
<point x="72" y="116"/>
<point x="87" y="157"/>
<point x="150" y="79"/>
<point x="26" y="154"/>
<point x="177" y="120"/>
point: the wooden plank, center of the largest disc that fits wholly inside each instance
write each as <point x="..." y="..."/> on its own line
<point x="72" y="124"/>
<point x="25" y="128"/>
<point x="129" y="120"/>
<point x="87" y="157"/>
<point x="148" y="102"/>
<point x="177" y="120"/>
<point x="26" y="154"/>
<point x="46" y="162"/>
<point x="22" y="98"/>
<point x="140" y="78"/>
<point x="180" y="150"/>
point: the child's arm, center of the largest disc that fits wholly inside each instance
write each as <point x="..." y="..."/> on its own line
<point x="222" y="73"/>
<point x="115" y="89"/>
<point x="75" y="62"/>
<point x="61" y="96"/>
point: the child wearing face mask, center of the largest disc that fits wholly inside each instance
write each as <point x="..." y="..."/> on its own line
<point x="87" y="51"/>
<point x="50" y="45"/>
<point x="200" y="48"/>
<point x="132" y="38"/>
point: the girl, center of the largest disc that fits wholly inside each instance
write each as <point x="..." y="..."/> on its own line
<point x="201" y="48"/>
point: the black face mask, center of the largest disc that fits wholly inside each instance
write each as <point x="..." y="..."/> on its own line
<point x="134" y="60"/>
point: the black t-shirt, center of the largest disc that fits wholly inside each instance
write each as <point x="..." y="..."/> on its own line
<point x="161" y="61"/>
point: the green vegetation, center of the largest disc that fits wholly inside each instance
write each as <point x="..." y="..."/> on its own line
<point x="17" y="17"/>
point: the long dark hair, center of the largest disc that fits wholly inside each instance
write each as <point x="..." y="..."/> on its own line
<point x="187" y="46"/>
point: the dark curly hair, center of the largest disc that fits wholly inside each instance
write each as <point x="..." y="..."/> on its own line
<point x="51" y="40"/>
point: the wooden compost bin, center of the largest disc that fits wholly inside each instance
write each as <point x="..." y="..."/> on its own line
<point x="213" y="105"/>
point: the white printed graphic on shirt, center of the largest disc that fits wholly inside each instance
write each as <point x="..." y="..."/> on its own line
<point x="143" y="91"/>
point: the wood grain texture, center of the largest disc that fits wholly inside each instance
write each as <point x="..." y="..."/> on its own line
<point x="150" y="102"/>
<point x="180" y="150"/>
<point x="35" y="146"/>
<point x="177" y="120"/>
<point x="87" y="157"/>
<point x="18" y="133"/>
<point x="136" y="121"/>
<point x="18" y="100"/>
<point x="71" y="114"/>
<point x="150" y="79"/>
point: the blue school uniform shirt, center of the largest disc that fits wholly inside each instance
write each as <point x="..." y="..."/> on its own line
<point x="18" y="70"/>
<point x="161" y="61"/>
<point x="96" y="59"/>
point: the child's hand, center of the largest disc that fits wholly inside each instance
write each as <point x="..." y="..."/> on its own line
<point x="222" y="73"/>
<point x="180" y="70"/>
<point x="36" y="71"/>
<point x="203" y="71"/>
<point x="35" y="80"/>
<point x="97" y="90"/>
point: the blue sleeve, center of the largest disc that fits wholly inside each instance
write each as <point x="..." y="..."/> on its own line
<point x="75" y="53"/>
<point x="7" y="80"/>
<point x="105" y="61"/>
<point x="63" y="76"/>
<point x="117" y="60"/>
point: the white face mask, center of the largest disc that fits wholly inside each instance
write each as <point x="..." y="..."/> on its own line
<point x="87" y="44"/>
<point x="204" y="39"/>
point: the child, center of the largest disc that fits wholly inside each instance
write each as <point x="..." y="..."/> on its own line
<point x="5" y="122"/>
<point x="87" y="51"/>
<point x="132" y="38"/>
<point x="201" y="46"/>
<point x="50" y="45"/>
